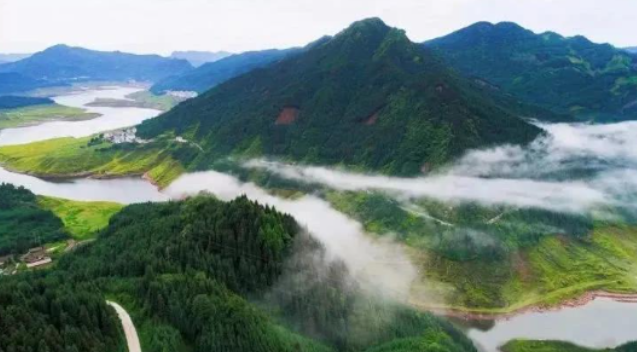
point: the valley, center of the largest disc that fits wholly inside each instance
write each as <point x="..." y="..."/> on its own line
<point x="361" y="193"/>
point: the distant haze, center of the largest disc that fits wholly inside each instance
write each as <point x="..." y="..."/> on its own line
<point x="163" y="26"/>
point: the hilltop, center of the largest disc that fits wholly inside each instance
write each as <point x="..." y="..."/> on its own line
<point x="367" y="98"/>
<point x="568" y="75"/>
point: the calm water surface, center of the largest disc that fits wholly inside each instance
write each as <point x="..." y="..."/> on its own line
<point x="112" y="118"/>
<point x="602" y="323"/>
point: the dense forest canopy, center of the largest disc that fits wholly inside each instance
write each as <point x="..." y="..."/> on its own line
<point x="209" y="276"/>
<point x="23" y="224"/>
<point x="569" y="75"/>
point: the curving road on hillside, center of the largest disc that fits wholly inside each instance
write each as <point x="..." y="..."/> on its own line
<point x="129" y="329"/>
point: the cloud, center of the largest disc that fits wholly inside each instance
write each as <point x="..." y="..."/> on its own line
<point x="379" y="265"/>
<point x="575" y="168"/>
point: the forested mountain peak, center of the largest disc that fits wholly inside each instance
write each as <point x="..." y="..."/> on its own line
<point x="566" y="74"/>
<point x="367" y="97"/>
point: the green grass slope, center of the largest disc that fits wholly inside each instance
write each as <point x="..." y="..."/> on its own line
<point x="367" y="98"/>
<point x="31" y="115"/>
<point x="94" y="156"/>
<point x="498" y="259"/>
<point x="81" y="219"/>
<point x="556" y="346"/>
<point x="568" y="75"/>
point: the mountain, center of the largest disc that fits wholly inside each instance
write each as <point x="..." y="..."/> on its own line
<point x="632" y="49"/>
<point x="204" y="275"/>
<point x="63" y="63"/>
<point x="198" y="58"/>
<point x="367" y="98"/>
<point x="212" y="74"/>
<point x="569" y="75"/>
<point x="11" y="83"/>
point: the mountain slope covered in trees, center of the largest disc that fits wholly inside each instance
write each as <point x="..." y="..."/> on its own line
<point x="23" y="223"/>
<point x="62" y="63"/>
<point x="367" y="98"/>
<point x="12" y="82"/>
<point x="204" y="275"/>
<point x="569" y="75"/>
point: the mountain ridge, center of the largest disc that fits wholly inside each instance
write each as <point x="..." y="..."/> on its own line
<point x="566" y="74"/>
<point x="350" y="100"/>
<point x="62" y="63"/>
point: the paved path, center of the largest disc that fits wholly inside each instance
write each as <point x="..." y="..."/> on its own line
<point x="129" y="329"/>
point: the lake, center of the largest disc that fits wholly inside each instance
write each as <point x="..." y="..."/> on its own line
<point x="602" y="323"/>
<point x="111" y="118"/>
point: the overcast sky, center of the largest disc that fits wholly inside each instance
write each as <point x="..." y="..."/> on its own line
<point x="161" y="26"/>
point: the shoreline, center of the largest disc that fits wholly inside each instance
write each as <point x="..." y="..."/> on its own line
<point x="87" y="116"/>
<point x="536" y="308"/>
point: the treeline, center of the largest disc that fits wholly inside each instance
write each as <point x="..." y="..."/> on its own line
<point x="23" y="224"/>
<point x="44" y="313"/>
<point x="12" y="102"/>
<point x="236" y="276"/>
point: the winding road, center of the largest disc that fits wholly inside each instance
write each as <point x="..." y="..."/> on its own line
<point x="129" y="329"/>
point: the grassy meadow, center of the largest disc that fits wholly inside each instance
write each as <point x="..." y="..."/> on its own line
<point x="31" y="115"/>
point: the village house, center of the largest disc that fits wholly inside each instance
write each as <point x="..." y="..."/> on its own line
<point x="36" y="257"/>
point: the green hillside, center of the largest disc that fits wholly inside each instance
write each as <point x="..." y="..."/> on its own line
<point x="367" y="98"/>
<point x="23" y="223"/>
<point x="569" y="75"/>
<point x="203" y="275"/>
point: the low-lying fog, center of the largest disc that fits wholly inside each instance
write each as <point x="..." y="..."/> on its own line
<point x="574" y="168"/>
<point x="379" y="265"/>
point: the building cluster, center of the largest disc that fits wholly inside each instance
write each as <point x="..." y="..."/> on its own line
<point x="122" y="136"/>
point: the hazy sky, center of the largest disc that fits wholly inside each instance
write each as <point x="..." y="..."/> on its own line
<point x="161" y="26"/>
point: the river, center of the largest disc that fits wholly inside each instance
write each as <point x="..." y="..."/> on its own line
<point x="601" y="323"/>
<point x="111" y="118"/>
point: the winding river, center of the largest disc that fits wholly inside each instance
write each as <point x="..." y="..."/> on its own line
<point x="601" y="323"/>
<point x="111" y="118"/>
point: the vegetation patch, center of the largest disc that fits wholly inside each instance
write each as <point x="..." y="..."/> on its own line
<point x="31" y="115"/>
<point x="558" y="346"/>
<point x="97" y="157"/>
<point x="81" y="219"/>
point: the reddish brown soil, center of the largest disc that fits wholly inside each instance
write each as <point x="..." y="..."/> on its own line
<point x="372" y="119"/>
<point x="287" y="116"/>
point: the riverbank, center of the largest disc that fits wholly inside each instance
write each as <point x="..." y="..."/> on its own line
<point x="38" y="114"/>
<point x="92" y="157"/>
<point x="538" y="308"/>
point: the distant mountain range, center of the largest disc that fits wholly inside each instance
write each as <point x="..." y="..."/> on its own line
<point x="12" y="83"/>
<point x="211" y="74"/>
<point x="568" y="75"/>
<point x="63" y="64"/>
<point x="632" y="49"/>
<point x="198" y="58"/>
<point x="5" y="58"/>
<point x="367" y="97"/>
